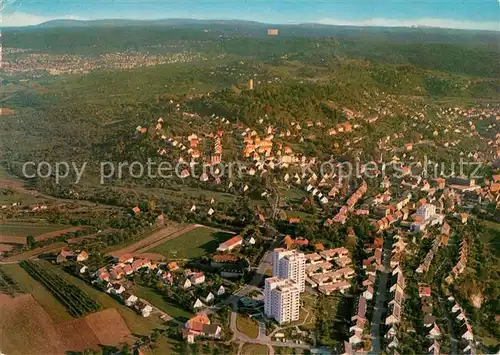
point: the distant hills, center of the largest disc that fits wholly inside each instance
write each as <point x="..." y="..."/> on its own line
<point x="162" y="22"/>
<point x="196" y="23"/>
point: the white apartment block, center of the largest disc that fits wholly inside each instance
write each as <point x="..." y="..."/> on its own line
<point x="290" y="264"/>
<point x="281" y="299"/>
<point x="426" y="211"/>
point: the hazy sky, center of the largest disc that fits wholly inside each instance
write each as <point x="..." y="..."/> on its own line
<point x="473" y="14"/>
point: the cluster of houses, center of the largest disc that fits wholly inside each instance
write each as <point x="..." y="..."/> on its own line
<point x="461" y="263"/>
<point x="397" y="291"/>
<point x="66" y="255"/>
<point x="466" y="332"/>
<point x="200" y="326"/>
<point x="341" y="216"/>
<point x="124" y="265"/>
<point x="112" y="280"/>
<point x="319" y="271"/>
<point x="373" y="262"/>
<point x="424" y="266"/>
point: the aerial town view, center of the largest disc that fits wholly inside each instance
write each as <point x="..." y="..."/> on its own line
<point x="250" y="177"/>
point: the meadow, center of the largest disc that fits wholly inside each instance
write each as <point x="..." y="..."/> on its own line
<point x="159" y="301"/>
<point x="25" y="228"/>
<point x="193" y="244"/>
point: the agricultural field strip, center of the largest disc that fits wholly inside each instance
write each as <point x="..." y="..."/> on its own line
<point x="37" y="251"/>
<point x="7" y="284"/>
<point x="146" y="242"/>
<point x="166" y="238"/>
<point x="77" y="301"/>
<point x="57" y="233"/>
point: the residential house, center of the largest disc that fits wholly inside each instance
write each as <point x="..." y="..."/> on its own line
<point x="221" y="291"/>
<point x="116" y="289"/>
<point x="467" y="332"/>
<point x="172" y="266"/>
<point x="198" y="304"/>
<point x="209" y="298"/>
<point x="185" y="284"/>
<point x="82" y="256"/>
<point x="129" y="299"/>
<point x="434" y="349"/>
<point x="143" y="308"/>
<point x="435" y="332"/>
<point x="368" y="293"/>
<point x="197" y="278"/>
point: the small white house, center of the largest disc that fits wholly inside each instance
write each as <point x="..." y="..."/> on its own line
<point x="209" y="298"/>
<point x="186" y="284"/>
<point x="198" y="304"/>
<point x="130" y="300"/>
<point x="146" y="310"/>
<point x="221" y="291"/>
<point x="117" y="289"/>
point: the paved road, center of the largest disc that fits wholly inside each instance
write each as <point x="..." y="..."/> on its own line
<point x="382" y="294"/>
<point x="453" y="338"/>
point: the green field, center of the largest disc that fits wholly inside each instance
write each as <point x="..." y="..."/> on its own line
<point x="192" y="244"/>
<point x="254" y="349"/>
<point x="307" y="318"/>
<point x="25" y="199"/>
<point x="304" y="216"/>
<point x="25" y="228"/>
<point x="247" y="326"/>
<point x="157" y="300"/>
<point x="492" y="235"/>
<point x="162" y="346"/>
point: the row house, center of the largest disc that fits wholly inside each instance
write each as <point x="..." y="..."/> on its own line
<point x="397" y="293"/>
<point x="462" y="262"/>
<point x="387" y="221"/>
<point x="398" y="249"/>
<point x="356" y="196"/>
<point x="341" y="286"/>
<point x="466" y="329"/>
<point x="424" y="266"/>
<point x="332" y="277"/>
<point x="334" y="253"/>
<point x="318" y="267"/>
<point x="358" y="322"/>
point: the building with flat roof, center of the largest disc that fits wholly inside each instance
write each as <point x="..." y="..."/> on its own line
<point x="281" y="299"/>
<point x="290" y="264"/>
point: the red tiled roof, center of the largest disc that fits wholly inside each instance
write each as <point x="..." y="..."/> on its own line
<point x="223" y="258"/>
<point x="233" y="241"/>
